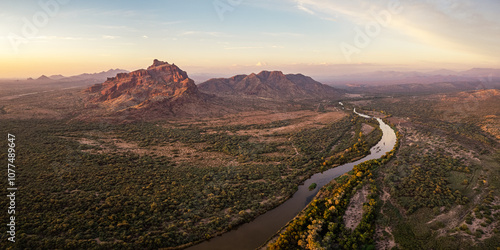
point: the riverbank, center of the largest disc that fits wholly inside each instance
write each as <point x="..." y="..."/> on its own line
<point x="322" y="222"/>
<point x="251" y="235"/>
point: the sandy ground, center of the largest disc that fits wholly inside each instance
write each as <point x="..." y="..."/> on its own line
<point x="367" y="129"/>
<point x="384" y="242"/>
<point x="354" y="212"/>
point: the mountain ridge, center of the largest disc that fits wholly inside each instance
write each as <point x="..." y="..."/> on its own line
<point x="269" y="84"/>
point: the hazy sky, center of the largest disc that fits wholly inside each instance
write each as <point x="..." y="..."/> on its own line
<point x="242" y="36"/>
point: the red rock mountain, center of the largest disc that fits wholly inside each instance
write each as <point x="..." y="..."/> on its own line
<point x="161" y="87"/>
<point x="268" y="84"/>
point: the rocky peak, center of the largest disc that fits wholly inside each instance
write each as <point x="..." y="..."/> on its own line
<point x="161" y="66"/>
<point x="157" y="63"/>
<point x="43" y="78"/>
<point x="270" y="84"/>
<point x="238" y="77"/>
<point x="159" y="72"/>
<point x="267" y="74"/>
<point x="271" y="76"/>
<point x="160" y="82"/>
<point x="168" y="72"/>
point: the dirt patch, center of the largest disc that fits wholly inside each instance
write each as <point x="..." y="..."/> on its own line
<point x="491" y="125"/>
<point x="176" y="152"/>
<point x="452" y="219"/>
<point x="481" y="225"/>
<point x="354" y="212"/>
<point x="367" y="129"/>
<point x="41" y="105"/>
<point x="86" y="141"/>
<point x="386" y="197"/>
<point x="354" y="96"/>
<point x="317" y="120"/>
<point x="432" y="142"/>
<point x="385" y="238"/>
<point x="181" y="153"/>
<point x="398" y="120"/>
<point x="263" y="117"/>
<point x="361" y="102"/>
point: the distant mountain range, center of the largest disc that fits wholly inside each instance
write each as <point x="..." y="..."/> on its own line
<point x="270" y="84"/>
<point x="89" y="78"/>
<point x="422" y="88"/>
<point x="164" y="89"/>
<point x="485" y="75"/>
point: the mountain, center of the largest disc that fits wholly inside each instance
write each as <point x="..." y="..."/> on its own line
<point x="270" y="84"/>
<point x="86" y="78"/>
<point x="485" y="75"/>
<point x="481" y="72"/>
<point x="439" y="81"/>
<point x="43" y="78"/>
<point x="395" y="77"/>
<point x="443" y="72"/>
<point x="419" y="88"/>
<point x="93" y="77"/>
<point x="57" y="77"/>
<point x="161" y="88"/>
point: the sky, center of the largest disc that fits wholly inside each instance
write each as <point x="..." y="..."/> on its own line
<point x="227" y="37"/>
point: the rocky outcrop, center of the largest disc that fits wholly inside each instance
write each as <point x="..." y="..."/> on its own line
<point x="162" y="87"/>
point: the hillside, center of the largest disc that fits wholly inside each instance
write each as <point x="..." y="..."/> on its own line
<point x="161" y="88"/>
<point x="270" y="84"/>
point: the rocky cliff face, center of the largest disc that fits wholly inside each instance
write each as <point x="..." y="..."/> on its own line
<point x="161" y="87"/>
<point x="270" y="84"/>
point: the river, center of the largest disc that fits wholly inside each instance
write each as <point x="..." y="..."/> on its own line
<point x="253" y="234"/>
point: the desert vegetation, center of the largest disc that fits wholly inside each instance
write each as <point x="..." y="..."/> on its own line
<point x="442" y="180"/>
<point x="167" y="184"/>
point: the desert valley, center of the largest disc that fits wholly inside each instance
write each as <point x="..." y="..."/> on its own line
<point x="149" y="159"/>
<point x="241" y="125"/>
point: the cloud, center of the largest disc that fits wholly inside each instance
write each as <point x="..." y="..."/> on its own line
<point x="108" y="37"/>
<point x="58" y="38"/>
<point x="259" y="64"/>
<point x="145" y="37"/>
<point x="444" y="24"/>
<point x="324" y="10"/>
<point x="300" y="6"/>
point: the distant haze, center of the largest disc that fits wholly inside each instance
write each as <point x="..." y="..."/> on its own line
<point x="311" y="36"/>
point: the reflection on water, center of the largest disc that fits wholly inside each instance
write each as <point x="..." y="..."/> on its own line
<point x="253" y="234"/>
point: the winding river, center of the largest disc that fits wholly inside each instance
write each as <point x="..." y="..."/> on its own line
<point x="253" y="234"/>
